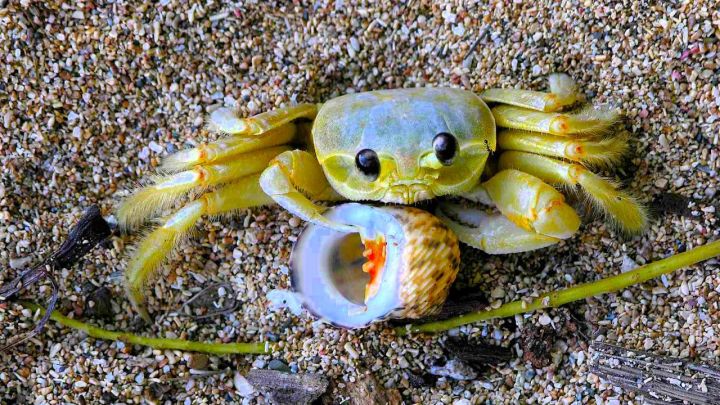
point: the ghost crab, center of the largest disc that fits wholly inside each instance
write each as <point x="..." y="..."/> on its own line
<point x="398" y="146"/>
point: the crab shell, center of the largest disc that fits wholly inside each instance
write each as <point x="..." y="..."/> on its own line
<point x="421" y="260"/>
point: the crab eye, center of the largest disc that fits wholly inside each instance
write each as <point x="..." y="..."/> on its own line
<point x="368" y="163"/>
<point x="445" y="146"/>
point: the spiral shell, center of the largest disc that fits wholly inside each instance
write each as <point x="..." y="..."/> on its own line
<point x="420" y="261"/>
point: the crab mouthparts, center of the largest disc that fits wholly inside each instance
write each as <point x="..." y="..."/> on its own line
<point x="375" y="253"/>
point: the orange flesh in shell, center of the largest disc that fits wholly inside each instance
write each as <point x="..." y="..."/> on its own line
<point x="375" y="254"/>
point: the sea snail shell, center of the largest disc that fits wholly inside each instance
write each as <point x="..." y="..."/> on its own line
<point x="402" y="265"/>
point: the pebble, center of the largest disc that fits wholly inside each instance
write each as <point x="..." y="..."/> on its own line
<point x="198" y="361"/>
<point x="242" y="386"/>
<point x="278" y="365"/>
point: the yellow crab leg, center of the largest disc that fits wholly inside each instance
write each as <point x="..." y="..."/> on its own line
<point x="618" y="205"/>
<point x="491" y="233"/>
<point x="590" y="120"/>
<point x="159" y="243"/>
<point x="563" y="92"/>
<point x="228" y="147"/>
<point x="601" y="152"/>
<point x="532" y="204"/>
<point x="291" y="178"/>
<point x="225" y="120"/>
<point x="166" y="191"/>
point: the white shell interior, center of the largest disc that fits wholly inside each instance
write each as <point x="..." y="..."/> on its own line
<point x="326" y="267"/>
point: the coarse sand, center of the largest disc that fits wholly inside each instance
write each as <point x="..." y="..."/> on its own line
<point x="94" y="94"/>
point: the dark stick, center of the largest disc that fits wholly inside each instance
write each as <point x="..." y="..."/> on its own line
<point x="90" y="230"/>
<point x="660" y="379"/>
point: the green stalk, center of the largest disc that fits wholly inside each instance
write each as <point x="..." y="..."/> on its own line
<point x="155" y="343"/>
<point x="579" y="292"/>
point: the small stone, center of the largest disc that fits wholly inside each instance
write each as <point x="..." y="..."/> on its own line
<point x="278" y="365"/>
<point x="627" y="264"/>
<point x="198" y="361"/>
<point x="661" y="183"/>
<point x="155" y="147"/>
<point x="455" y="369"/>
<point x="351" y="351"/>
<point x="20" y="263"/>
<point x="498" y="292"/>
<point x="242" y="386"/>
<point x="140" y="377"/>
<point x="402" y="362"/>
<point x="545" y="320"/>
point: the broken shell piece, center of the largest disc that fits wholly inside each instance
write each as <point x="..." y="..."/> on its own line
<point x="401" y="265"/>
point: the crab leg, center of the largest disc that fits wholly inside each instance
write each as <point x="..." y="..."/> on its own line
<point x="224" y="120"/>
<point x="617" y="204"/>
<point x="229" y="147"/>
<point x="267" y="129"/>
<point x="563" y="92"/>
<point x="291" y="178"/>
<point x="167" y="190"/>
<point x="591" y="120"/>
<point x="602" y="152"/>
<point x="491" y="233"/>
<point x="158" y="244"/>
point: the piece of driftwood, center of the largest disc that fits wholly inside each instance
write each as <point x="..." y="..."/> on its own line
<point x="660" y="379"/>
<point x="90" y="230"/>
<point x="285" y="388"/>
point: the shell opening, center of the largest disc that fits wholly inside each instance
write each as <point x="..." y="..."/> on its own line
<point x="350" y="279"/>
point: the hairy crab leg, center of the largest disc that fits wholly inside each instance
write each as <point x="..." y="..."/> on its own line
<point x="599" y="152"/>
<point x="226" y="121"/>
<point x="159" y="243"/>
<point x="563" y="92"/>
<point x="228" y="147"/>
<point x="592" y="120"/>
<point x="616" y="204"/>
<point x="492" y="233"/>
<point x="291" y="178"/>
<point x="167" y="190"/>
<point x="532" y="204"/>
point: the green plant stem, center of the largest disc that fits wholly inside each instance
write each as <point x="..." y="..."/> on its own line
<point x="582" y="291"/>
<point x="155" y="343"/>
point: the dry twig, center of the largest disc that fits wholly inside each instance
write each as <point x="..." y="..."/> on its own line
<point x="660" y="379"/>
<point x="90" y="230"/>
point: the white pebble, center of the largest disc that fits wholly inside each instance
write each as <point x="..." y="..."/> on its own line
<point x="140" y="378"/>
<point x="684" y="290"/>
<point x="242" y="385"/>
<point x="545" y="320"/>
<point x="144" y="153"/>
<point x="155" y="147"/>
<point x="280" y="299"/>
<point x="449" y="17"/>
<point x="351" y="351"/>
<point x="20" y="262"/>
<point x="458" y="30"/>
<point x="627" y="264"/>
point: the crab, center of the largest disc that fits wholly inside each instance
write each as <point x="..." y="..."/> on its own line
<point x="509" y="150"/>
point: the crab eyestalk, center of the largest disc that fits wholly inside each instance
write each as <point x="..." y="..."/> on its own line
<point x="401" y="265"/>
